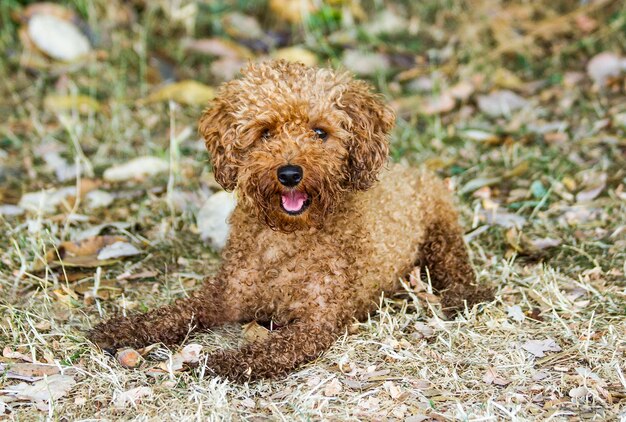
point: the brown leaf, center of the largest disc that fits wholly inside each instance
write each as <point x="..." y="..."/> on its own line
<point x="107" y="289"/>
<point x="253" y="332"/>
<point x="87" y="247"/>
<point x="7" y="352"/>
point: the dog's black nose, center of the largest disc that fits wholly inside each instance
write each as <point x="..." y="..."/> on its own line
<point x="290" y="175"/>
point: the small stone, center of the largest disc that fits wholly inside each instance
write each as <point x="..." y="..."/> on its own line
<point x="129" y="358"/>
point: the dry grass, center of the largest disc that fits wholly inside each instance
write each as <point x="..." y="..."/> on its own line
<point x="403" y="363"/>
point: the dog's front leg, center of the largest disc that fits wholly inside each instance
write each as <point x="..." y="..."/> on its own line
<point x="205" y="308"/>
<point x="283" y="350"/>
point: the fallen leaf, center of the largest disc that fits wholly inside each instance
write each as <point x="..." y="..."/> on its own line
<point x="605" y="65"/>
<point x="332" y="388"/>
<point x="146" y="350"/>
<point x="82" y="253"/>
<point x="89" y="261"/>
<point x="107" y="289"/>
<point x="504" y="219"/>
<point x="515" y="313"/>
<point x="539" y="347"/>
<point x="253" y="332"/>
<point x="394" y="391"/>
<point x="57" y="38"/>
<point x="96" y="230"/>
<point x="188" y="354"/>
<point x="52" y="387"/>
<point x="504" y="78"/>
<point x="241" y="26"/>
<point x="578" y="392"/>
<point x="292" y="11"/>
<point x="46" y="201"/>
<point x="87" y="247"/>
<point x="478" y="183"/>
<point x="29" y="371"/>
<point x="386" y="22"/>
<point x="501" y="103"/>
<point x="117" y="250"/>
<point x="212" y="219"/>
<point x="226" y="68"/>
<point x="62" y="169"/>
<point x="11" y="210"/>
<point x="191" y="353"/>
<point x="8" y="353"/>
<point x="424" y="330"/>
<point x="439" y="104"/>
<point x="365" y="63"/>
<point x="462" y="91"/>
<point x="219" y="47"/>
<point x="81" y="103"/>
<point x="98" y="199"/>
<point x="132" y="397"/>
<point x="491" y="377"/>
<point x="296" y="54"/>
<point x="545" y="243"/>
<point x="590" y="193"/>
<point x="518" y="170"/>
<point x="136" y="276"/>
<point x="187" y="92"/>
<point x="479" y="135"/>
<point x="136" y="169"/>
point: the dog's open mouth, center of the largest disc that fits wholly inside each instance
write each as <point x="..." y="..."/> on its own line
<point x="294" y="202"/>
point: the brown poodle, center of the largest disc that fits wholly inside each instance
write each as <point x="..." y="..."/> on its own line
<point x="315" y="238"/>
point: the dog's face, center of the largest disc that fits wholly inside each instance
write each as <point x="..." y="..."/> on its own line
<point x="294" y="139"/>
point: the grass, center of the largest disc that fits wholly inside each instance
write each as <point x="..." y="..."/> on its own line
<point x="404" y="362"/>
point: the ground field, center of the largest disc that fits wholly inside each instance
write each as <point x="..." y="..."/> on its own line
<point x="521" y="106"/>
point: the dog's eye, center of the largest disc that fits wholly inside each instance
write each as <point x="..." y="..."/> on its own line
<point x="321" y="133"/>
<point x="266" y="134"/>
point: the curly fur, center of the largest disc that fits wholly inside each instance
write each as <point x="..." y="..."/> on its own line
<point x="314" y="272"/>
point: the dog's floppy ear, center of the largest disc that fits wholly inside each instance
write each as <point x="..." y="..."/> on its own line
<point x="371" y="121"/>
<point x="217" y="128"/>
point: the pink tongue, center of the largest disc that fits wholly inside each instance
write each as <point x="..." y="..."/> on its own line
<point x="293" y="201"/>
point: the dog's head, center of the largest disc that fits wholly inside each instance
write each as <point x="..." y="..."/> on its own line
<point x="293" y="140"/>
